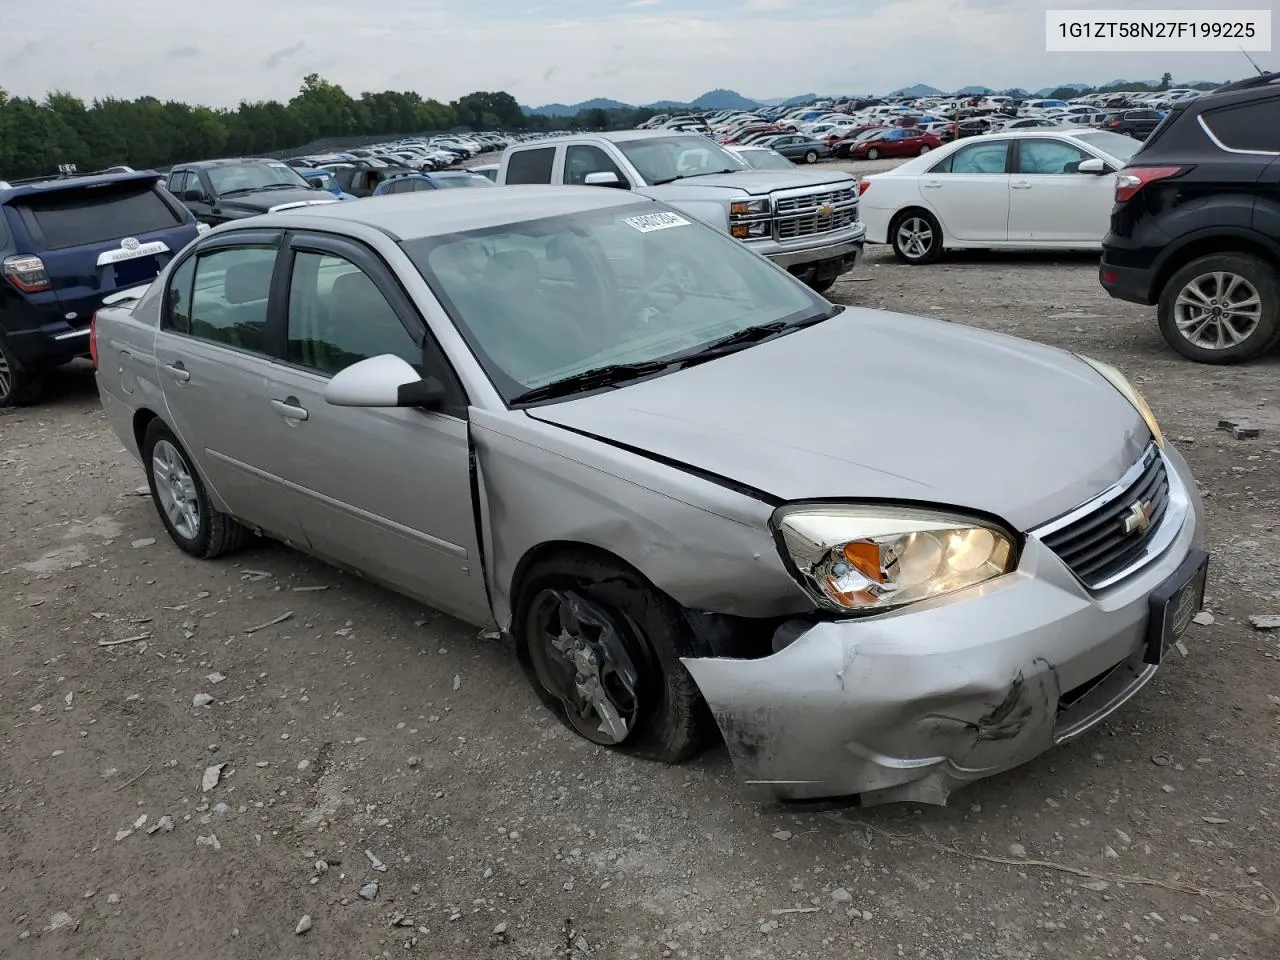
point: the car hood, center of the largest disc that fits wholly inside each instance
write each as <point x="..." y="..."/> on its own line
<point x="883" y="406"/>
<point x="264" y="200"/>
<point x="764" y="181"/>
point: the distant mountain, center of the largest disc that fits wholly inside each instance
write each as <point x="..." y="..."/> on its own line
<point x="1045" y="91"/>
<point x="568" y="110"/>
<point x="797" y="101"/>
<point x="711" y="100"/>
<point x="724" y="100"/>
<point x="917" y="90"/>
<point x="975" y="91"/>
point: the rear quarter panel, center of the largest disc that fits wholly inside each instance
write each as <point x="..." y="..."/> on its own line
<point x="127" y="374"/>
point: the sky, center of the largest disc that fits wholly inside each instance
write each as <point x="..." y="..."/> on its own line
<point x="544" y="51"/>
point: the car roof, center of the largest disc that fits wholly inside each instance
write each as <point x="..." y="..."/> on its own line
<point x="411" y="216"/>
<point x="55" y="183"/>
<point x="225" y="162"/>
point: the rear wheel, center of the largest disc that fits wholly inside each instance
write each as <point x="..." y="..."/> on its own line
<point x="873" y="154"/>
<point x="18" y="384"/>
<point x="181" y="500"/>
<point x="916" y="237"/>
<point x="602" y="648"/>
<point x="811" y="156"/>
<point x="924" y="149"/>
<point x="1222" y="309"/>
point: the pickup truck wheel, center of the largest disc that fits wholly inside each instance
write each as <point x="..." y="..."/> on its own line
<point x="18" y="384"/>
<point x="181" y="500"/>
<point x="873" y="154"/>
<point x="1221" y="309"/>
<point x="602" y="649"/>
<point x="811" y="156"/>
<point x="916" y="237"/>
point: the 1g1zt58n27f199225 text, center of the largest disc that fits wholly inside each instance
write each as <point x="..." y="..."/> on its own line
<point x="1157" y="30"/>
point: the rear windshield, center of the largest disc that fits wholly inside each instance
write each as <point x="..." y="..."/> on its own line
<point x="85" y="215"/>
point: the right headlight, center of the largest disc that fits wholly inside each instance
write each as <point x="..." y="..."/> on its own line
<point x="875" y="557"/>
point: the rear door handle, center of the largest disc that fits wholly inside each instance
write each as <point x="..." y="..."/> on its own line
<point x="931" y="184"/>
<point x="290" y="409"/>
<point x="1020" y="185"/>
<point x="177" y="371"/>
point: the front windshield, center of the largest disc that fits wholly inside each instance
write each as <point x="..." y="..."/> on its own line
<point x="663" y="159"/>
<point x="1118" y="145"/>
<point x="548" y="299"/>
<point x="767" y="160"/>
<point x="254" y="176"/>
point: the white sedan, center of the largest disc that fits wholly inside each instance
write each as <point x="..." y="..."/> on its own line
<point x="1033" y="189"/>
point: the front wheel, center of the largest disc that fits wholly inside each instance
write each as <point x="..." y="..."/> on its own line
<point x="811" y="157"/>
<point x="602" y="648"/>
<point x="873" y="154"/>
<point x="181" y="500"/>
<point x="1220" y="309"/>
<point x="916" y="237"/>
<point x="924" y="149"/>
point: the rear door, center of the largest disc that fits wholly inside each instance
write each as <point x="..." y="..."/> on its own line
<point x="385" y="491"/>
<point x="969" y="191"/>
<point x="213" y="357"/>
<point x="98" y="238"/>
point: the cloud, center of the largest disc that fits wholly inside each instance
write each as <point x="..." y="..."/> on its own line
<point x="675" y="49"/>
<point x="274" y="59"/>
<point x="184" y="53"/>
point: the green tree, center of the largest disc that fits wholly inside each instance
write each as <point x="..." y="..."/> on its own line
<point x="1166" y="81"/>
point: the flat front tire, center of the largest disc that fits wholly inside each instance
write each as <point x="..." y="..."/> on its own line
<point x="1222" y="309"/>
<point x="602" y="649"/>
<point x="182" y="501"/>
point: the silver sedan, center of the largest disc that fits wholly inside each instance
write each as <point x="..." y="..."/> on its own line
<point x="884" y="555"/>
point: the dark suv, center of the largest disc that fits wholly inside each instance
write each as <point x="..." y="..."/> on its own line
<point x="1196" y="225"/>
<point x="67" y="242"/>
<point x="1135" y="123"/>
<point x="218" y="191"/>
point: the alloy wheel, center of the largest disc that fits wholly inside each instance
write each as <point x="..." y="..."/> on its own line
<point x="915" y="237"/>
<point x="1217" y="310"/>
<point x="6" y="377"/>
<point x="580" y="658"/>
<point x="176" y="489"/>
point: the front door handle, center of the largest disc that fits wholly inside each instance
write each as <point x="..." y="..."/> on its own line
<point x="290" y="408"/>
<point x="1020" y="185"/>
<point x="177" y="371"/>
<point x="931" y="184"/>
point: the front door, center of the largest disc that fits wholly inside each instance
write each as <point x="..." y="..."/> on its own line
<point x="969" y="190"/>
<point x="1049" y="202"/>
<point x="385" y="491"/>
<point x="214" y="365"/>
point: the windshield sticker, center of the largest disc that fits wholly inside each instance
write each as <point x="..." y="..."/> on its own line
<point x="656" y="221"/>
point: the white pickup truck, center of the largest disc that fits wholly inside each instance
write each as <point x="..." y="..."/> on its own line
<point x="804" y="220"/>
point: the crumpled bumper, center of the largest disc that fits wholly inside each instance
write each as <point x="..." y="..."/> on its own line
<point x="911" y="705"/>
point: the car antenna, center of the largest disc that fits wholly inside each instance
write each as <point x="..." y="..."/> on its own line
<point x="1253" y="63"/>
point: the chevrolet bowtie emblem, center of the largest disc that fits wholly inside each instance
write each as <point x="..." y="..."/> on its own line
<point x="1138" y="519"/>
<point x="826" y="210"/>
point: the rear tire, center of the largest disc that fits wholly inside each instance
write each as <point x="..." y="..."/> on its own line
<point x="873" y="154"/>
<point x="182" y="501"/>
<point x="1222" y="309"/>
<point x="19" y="385"/>
<point x="916" y="236"/>
<point x="924" y="149"/>
<point x="811" y="157"/>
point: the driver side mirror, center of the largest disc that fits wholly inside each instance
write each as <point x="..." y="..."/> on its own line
<point x="604" y="178"/>
<point x="193" y="196"/>
<point x="1093" y="165"/>
<point x="383" y="381"/>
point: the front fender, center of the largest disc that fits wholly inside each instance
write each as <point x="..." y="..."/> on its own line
<point x="714" y="213"/>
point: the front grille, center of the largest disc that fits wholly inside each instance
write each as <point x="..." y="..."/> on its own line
<point x="809" y="214"/>
<point x="1098" y="545"/>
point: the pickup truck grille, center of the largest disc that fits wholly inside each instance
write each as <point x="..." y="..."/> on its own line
<point x="810" y="214"/>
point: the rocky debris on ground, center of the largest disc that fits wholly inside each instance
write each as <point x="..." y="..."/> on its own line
<point x="212" y="776"/>
<point x="1266" y="621"/>
<point x="304" y="924"/>
<point x="369" y="891"/>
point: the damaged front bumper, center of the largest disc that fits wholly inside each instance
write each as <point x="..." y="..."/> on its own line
<point x="911" y="705"/>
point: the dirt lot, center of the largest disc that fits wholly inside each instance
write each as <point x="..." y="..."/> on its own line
<point x="355" y="723"/>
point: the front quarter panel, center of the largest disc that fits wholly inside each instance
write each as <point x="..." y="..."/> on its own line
<point x="704" y="544"/>
<point x="711" y="209"/>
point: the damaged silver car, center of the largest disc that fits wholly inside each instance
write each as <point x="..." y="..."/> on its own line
<point x="885" y="555"/>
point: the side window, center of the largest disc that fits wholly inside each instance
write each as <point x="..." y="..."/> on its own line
<point x="229" y="296"/>
<point x="986" y="157"/>
<point x="1250" y="126"/>
<point x="1048" y="156"/>
<point x="177" y="182"/>
<point x="178" y="307"/>
<point x="338" y="316"/>
<point x="419" y="185"/>
<point x="531" y="166"/>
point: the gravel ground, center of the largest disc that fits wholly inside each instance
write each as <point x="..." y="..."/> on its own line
<point x="198" y="758"/>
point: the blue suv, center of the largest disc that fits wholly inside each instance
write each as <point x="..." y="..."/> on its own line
<point x="66" y="242"/>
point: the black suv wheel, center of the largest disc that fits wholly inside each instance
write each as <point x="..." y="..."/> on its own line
<point x="1223" y="308"/>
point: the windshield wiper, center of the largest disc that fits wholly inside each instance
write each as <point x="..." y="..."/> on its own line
<point x="689" y="176"/>
<point x="606" y="376"/>
<point x="752" y="335"/>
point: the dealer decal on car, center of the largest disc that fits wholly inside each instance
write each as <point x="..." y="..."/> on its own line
<point x="649" y="222"/>
<point x="131" y="249"/>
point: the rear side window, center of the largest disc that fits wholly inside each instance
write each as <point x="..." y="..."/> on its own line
<point x="531" y="166"/>
<point x="1249" y="126"/>
<point x="229" y="297"/>
<point x="85" y="215"/>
